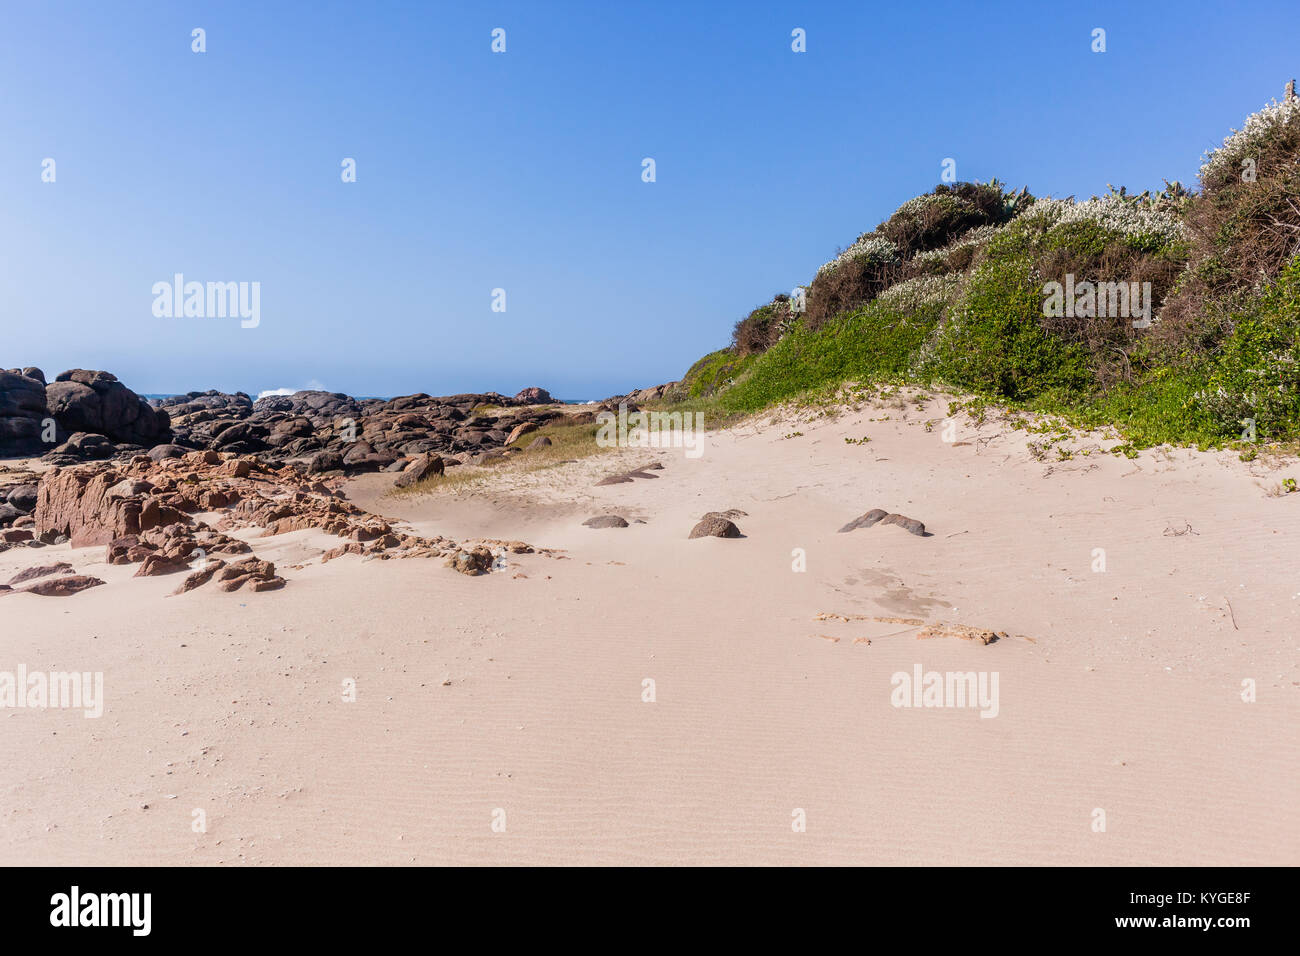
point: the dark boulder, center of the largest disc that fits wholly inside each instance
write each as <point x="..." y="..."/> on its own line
<point x="23" y="497"/>
<point x="22" y="413"/>
<point x="91" y="401"/>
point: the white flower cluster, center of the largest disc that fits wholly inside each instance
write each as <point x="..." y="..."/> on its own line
<point x="869" y="246"/>
<point x="917" y="207"/>
<point x="1129" y="219"/>
<point x="921" y="291"/>
<point x="1237" y="145"/>
<point x="1045" y="213"/>
<point x="968" y="239"/>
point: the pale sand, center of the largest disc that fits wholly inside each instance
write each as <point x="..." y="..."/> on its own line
<point x="1118" y="690"/>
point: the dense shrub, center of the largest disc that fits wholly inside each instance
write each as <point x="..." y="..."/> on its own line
<point x="763" y="327"/>
<point x="856" y="275"/>
<point x="934" y="220"/>
<point x="879" y="341"/>
<point x="880" y="258"/>
<point x="993" y="341"/>
<point x="1256" y="375"/>
<point x="1243" y="227"/>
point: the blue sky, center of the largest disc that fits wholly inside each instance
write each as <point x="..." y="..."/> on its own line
<point x="522" y="170"/>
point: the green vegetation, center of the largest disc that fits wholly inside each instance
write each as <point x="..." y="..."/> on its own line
<point x="1182" y="323"/>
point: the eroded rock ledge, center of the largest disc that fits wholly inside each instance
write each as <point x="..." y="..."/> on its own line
<point x="174" y="514"/>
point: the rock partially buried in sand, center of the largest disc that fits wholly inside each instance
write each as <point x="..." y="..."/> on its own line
<point x="880" y="516"/>
<point x="910" y="525"/>
<point x="157" y="564"/>
<point x="62" y="587"/>
<point x="541" y="441"/>
<point x="714" y="525"/>
<point x="606" y="521"/>
<point x="31" y="574"/>
<point x="472" y="562"/>
<point x="865" y="521"/>
<point x="200" y="577"/>
<point x="642" y="472"/>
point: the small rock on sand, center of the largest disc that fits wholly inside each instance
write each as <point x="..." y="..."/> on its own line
<point x="606" y="521"/>
<point x="421" y="468"/>
<point x="472" y="562"/>
<point x="865" y="521"/>
<point x="910" y="525"/>
<point x="880" y="516"/>
<point x="714" y="525"/>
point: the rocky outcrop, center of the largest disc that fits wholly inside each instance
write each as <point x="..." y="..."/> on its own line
<point x="365" y="434"/>
<point x="22" y="411"/>
<point x="96" y="402"/>
<point x="653" y="394"/>
<point x="93" y="507"/>
<point x="533" y="396"/>
<point x="89" y="415"/>
<point x="174" y="515"/>
<point x="259" y="575"/>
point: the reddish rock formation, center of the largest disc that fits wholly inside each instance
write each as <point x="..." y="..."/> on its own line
<point x="140" y="510"/>
<point x="93" y="506"/>
<point x="62" y="587"/>
<point x="31" y="574"/>
<point x="258" y="574"/>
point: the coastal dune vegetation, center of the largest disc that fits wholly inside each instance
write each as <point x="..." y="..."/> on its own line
<point x="1181" y="319"/>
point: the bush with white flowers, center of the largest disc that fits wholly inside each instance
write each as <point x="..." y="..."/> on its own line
<point x="1241" y="143"/>
<point x="1137" y="221"/>
<point x="870" y="248"/>
<point x="914" y="294"/>
<point x="970" y="239"/>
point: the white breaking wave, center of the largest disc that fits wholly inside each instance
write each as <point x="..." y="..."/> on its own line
<point x="312" y="386"/>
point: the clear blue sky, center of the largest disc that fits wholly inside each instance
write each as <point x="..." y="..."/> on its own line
<point x="523" y="170"/>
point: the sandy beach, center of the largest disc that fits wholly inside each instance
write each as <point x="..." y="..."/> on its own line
<point x="506" y="718"/>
